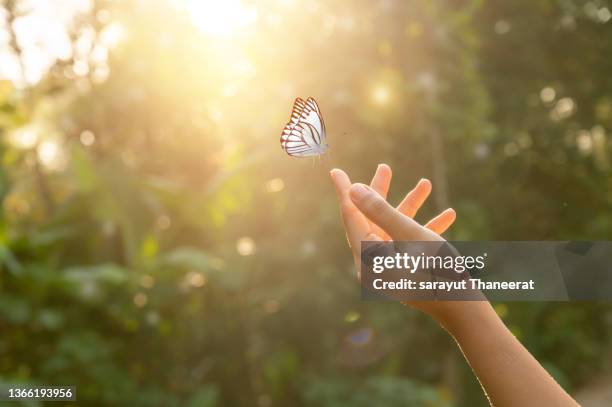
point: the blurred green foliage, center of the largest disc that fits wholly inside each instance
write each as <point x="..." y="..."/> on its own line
<point x="176" y="256"/>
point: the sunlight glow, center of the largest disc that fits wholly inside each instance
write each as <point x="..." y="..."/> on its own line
<point x="51" y="155"/>
<point x="48" y="152"/>
<point x="25" y="137"/>
<point x="220" y="18"/>
<point x="112" y="35"/>
<point x="42" y="35"/>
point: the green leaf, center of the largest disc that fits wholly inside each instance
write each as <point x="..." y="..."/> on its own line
<point x="149" y="247"/>
<point x="14" y="309"/>
<point x="83" y="169"/>
<point x="192" y="258"/>
<point x="104" y="273"/>
<point x="9" y="260"/>
<point x="206" y="397"/>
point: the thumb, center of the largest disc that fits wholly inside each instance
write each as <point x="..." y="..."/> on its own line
<point x="378" y="210"/>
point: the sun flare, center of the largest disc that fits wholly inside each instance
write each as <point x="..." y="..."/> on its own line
<point x="220" y="18"/>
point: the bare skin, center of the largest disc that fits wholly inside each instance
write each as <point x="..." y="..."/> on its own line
<point x="508" y="373"/>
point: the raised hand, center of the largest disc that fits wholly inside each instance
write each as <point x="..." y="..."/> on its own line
<point x="368" y="216"/>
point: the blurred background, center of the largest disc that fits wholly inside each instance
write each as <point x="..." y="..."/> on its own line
<point x="157" y="247"/>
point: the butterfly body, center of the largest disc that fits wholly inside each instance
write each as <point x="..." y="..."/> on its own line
<point x="304" y="135"/>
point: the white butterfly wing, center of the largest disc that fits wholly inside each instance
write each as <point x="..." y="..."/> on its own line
<point x="304" y="135"/>
<point x="293" y="142"/>
<point x="311" y="114"/>
<point x="298" y="106"/>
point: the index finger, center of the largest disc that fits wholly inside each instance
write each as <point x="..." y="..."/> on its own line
<point x="381" y="180"/>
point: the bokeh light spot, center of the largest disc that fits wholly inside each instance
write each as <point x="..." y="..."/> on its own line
<point x="548" y="94"/>
<point x="275" y="185"/>
<point x="381" y="95"/>
<point x="511" y="149"/>
<point x="271" y="306"/>
<point x="361" y="337"/>
<point x="140" y="300"/>
<point x="87" y="138"/>
<point x="51" y="155"/>
<point x="584" y="141"/>
<point x="563" y="109"/>
<point x="163" y="222"/>
<point x="502" y="27"/>
<point x="196" y="279"/>
<point x="245" y="246"/>
<point x="414" y="30"/>
<point x="147" y="281"/>
<point x="352" y="316"/>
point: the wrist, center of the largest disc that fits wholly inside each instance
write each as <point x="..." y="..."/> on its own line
<point x="459" y="317"/>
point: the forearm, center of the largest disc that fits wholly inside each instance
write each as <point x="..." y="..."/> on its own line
<point x="508" y="373"/>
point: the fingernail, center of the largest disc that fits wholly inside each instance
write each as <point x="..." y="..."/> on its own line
<point x="383" y="165"/>
<point x="424" y="181"/>
<point x="358" y="191"/>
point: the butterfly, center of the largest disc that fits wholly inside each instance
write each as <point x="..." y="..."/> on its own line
<point x="304" y="135"/>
